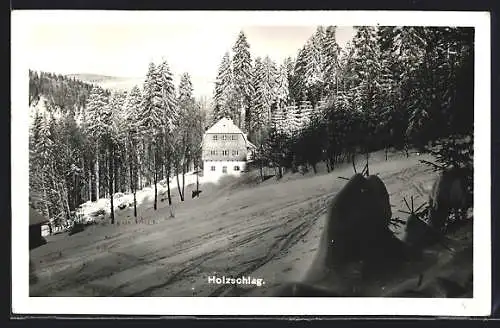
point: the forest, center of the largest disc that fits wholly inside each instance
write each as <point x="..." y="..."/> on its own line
<point x="389" y="88"/>
<point x="116" y="142"/>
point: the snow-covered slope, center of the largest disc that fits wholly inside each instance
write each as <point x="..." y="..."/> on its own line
<point x="266" y="230"/>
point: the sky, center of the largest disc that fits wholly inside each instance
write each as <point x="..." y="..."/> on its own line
<point x="125" y="49"/>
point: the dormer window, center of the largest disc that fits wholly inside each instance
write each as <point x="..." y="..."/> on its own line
<point x="213" y="152"/>
<point x="225" y="153"/>
<point x="214" y="137"/>
<point x="235" y="152"/>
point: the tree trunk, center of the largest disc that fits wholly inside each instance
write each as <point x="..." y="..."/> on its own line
<point x="183" y="181"/>
<point x="111" y="178"/>
<point x="106" y="174"/>
<point x="133" y="182"/>
<point x="97" y="174"/>
<point x="367" y="165"/>
<point x="66" y="199"/>
<point x="63" y="199"/>
<point x="197" y="182"/>
<point x="155" y="177"/>
<point x="178" y="185"/>
<point x="168" y="189"/>
<point x="261" y="171"/>
<point x="76" y="191"/>
<point x="137" y="172"/>
<point x="47" y="211"/>
<point x="139" y="177"/>
<point x="59" y="198"/>
<point x="135" y="205"/>
<point x="90" y="184"/>
<point x="118" y="178"/>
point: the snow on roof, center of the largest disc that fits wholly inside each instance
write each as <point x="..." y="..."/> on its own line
<point x="250" y="144"/>
<point x="36" y="218"/>
<point x="224" y="125"/>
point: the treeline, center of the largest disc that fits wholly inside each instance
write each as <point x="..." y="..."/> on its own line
<point x="389" y="87"/>
<point x="119" y="142"/>
<point x="60" y="91"/>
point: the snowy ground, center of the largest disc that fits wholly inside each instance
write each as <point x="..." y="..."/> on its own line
<point x="241" y="227"/>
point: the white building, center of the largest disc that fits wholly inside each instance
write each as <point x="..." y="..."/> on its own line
<point x="225" y="150"/>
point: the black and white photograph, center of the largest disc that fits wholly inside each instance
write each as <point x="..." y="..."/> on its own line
<point x="296" y="162"/>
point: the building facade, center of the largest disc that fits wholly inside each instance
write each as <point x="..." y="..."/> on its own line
<point x="225" y="150"/>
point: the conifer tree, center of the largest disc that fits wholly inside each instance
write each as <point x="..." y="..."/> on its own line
<point x="314" y="66"/>
<point x="224" y="91"/>
<point x="242" y="73"/>
<point x="152" y="119"/>
<point x="282" y="86"/>
<point x="171" y="122"/>
<point x="132" y="110"/>
<point x="331" y="65"/>
<point x="96" y="127"/>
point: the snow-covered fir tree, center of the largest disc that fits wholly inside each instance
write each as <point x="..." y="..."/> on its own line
<point x="132" y="106"/>
<point x="365" y="65"/>
<point x="242" y="73"/>
<point x="152" y="115"/>
<point x="315" y="62"/>
<point x="298" y="90"/>
<point x="167" y="95"/>
<point x="95" y="113"/>
<point x="331" y="65"/>
<point x="224" y="91"/>
<point x="282" y="87"/>
<point x="268" y="85"/>
<point x="256" y="115"/>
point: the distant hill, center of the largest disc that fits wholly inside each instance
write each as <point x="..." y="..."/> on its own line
<point x="109" y="82"/>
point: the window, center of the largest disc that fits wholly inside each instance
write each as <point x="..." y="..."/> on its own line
<point x="214" y="138"/>
<point x="225" y="153"/>
<point x="235" y="152"/>
<point x="233" y="137"/>
<point x="224" y="137"/>
<point x="236" y="168"/>
<point x="224" y="169"/>
<point x="212" y="168"/>
<point x="213" y="152"/>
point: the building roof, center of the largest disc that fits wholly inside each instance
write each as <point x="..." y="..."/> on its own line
<point x="224" y="125"/>
<point x="36" y="218"/>
<point x="251" y="145"/>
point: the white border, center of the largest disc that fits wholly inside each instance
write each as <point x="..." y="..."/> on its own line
<point x="480" y="305"/>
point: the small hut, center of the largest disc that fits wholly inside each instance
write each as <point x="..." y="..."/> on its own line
<point x="35" y="233"/>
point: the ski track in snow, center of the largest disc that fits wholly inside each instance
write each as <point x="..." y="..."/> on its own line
<point x="270" y="231"/>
